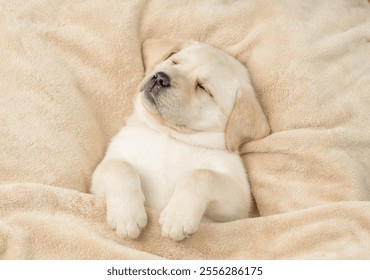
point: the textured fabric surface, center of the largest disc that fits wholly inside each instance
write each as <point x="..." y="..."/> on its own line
<point x="68" y="73"/>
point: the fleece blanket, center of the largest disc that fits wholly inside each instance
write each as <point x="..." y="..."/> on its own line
<point x="69" y="70"/>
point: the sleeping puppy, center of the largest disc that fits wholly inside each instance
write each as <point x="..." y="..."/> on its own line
<point x="178" y="150"/>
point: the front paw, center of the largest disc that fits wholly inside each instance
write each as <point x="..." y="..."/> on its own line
<point x="127" y="220"/>
<point x="180" y="219"/>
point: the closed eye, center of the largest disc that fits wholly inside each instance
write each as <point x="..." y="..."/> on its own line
<point x="201" y="87"/>
<point x="171" y="54"/>
<point x="173" y="61"/>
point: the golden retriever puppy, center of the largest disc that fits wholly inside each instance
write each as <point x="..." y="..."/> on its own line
<point x="178" y="152"/>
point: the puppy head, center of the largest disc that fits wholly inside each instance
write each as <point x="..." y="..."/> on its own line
<point x="192" y="87"/>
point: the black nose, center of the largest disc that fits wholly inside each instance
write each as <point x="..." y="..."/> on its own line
<point x="162" y="79"/>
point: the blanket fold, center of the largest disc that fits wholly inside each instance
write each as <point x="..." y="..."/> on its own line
<point x="40" y="221"/>
<point x="69" y="71"/>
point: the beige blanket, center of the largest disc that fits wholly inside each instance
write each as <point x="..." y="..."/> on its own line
<point x="69" y="70"/>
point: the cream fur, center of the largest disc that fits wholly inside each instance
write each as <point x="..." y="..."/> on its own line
<point x="166" y="157"/>
<point x="69" y="71"/>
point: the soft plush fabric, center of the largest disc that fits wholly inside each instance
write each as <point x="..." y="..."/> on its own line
<point x="69" y="70"/>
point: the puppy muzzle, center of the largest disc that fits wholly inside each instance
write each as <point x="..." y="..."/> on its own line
<point x="159" y="83"/>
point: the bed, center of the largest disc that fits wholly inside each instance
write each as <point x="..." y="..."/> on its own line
<point x="69" y="71"/>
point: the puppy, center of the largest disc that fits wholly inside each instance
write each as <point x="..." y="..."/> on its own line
<point x="178" y="150"/>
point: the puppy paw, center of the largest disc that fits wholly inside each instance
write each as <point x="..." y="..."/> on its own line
<point x="180" y="219"/>
<point x="127" y="220"/>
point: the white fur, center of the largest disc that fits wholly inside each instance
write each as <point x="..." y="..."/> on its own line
<point x="186" y="175"/>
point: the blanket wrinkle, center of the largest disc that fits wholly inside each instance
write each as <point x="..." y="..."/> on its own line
<point x="69" y="70"/>
<point x="53" y="234"/>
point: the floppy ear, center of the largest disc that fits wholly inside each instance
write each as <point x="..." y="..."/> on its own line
<point x="157" y="50"/>
<point x="247" y="121"/>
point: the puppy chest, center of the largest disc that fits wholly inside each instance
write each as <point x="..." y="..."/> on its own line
<point x="160" y="162"/>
